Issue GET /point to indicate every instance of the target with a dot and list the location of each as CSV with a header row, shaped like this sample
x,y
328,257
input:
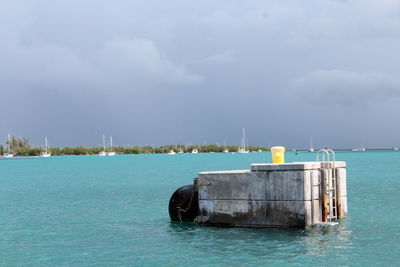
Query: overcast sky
x,y
182,71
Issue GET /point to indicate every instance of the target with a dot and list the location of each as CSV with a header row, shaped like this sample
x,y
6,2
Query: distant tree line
x,y
21,147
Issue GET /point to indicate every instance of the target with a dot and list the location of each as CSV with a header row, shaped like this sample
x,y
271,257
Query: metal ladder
x,y
331,181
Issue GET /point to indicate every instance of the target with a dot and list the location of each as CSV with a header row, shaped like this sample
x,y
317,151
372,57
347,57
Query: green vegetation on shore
x,y
21,147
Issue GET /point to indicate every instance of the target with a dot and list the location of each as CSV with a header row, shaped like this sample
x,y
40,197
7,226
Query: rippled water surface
x,y
113,211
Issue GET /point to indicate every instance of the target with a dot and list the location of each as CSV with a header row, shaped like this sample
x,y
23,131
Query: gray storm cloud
x,y
346,88
159,72
121,64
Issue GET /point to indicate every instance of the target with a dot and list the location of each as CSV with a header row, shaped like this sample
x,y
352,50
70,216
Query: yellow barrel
x,y
278,154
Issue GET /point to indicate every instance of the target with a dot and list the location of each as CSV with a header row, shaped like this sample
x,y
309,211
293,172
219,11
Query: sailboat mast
x,y
244,139
111,144
46,145
104,143
311,143
9,143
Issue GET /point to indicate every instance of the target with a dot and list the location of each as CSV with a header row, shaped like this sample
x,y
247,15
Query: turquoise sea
x,y
113,211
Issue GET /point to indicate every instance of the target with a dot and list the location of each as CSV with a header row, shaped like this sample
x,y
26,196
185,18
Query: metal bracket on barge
x,y
298,194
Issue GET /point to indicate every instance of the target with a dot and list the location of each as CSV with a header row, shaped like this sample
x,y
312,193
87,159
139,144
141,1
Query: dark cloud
x,y
346,88
157,72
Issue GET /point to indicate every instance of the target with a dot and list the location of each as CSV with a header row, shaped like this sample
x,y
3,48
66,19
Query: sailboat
x,y
46,153
103,153
111,152
195,151
171,152
243,149
226,150
8,154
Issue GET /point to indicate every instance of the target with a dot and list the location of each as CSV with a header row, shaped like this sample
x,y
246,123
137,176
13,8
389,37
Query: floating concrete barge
x,y
295,194
298,194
